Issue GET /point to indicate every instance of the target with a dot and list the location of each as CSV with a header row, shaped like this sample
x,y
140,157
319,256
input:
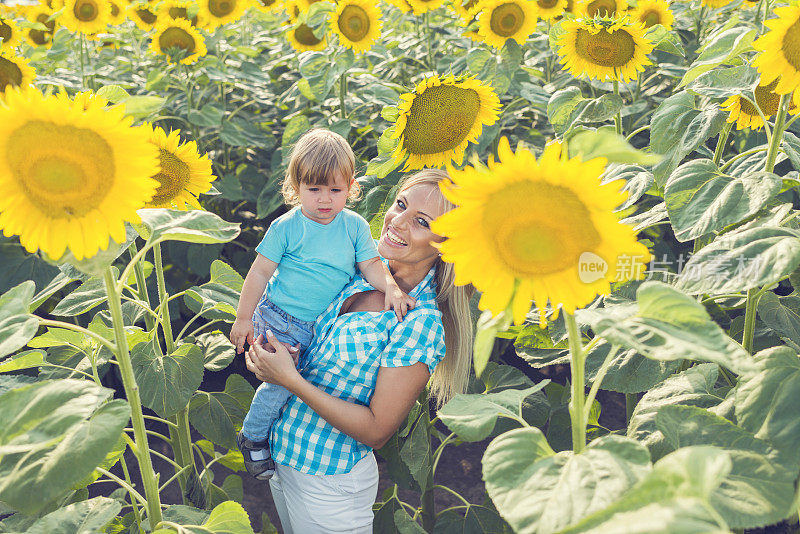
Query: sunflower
x,y
86,16
357,23
599,8
143,15
179,9
652,12
40,14
219,12
423,6
14,71
550,9
268,6
745,115
10,33
440,118
522,228
302,38
177,40
501,20
604,48
183,173
292,9
402,5
466,9
70,176
713,4
780,59
117,15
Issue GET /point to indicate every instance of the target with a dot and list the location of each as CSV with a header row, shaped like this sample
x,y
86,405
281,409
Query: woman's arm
x,y
396,390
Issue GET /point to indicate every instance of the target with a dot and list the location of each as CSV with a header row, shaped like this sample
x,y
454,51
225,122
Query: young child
x,y
305,259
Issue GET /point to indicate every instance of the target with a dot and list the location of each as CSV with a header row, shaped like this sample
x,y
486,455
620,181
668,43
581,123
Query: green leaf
x,y
218,351
629,371
781,314
209,116
693,387
23,360
567,108
194,226
113,93
142,106
672,499
606,143
86,517
473,416
297,126
524,476
229,518
488,327
672,326
224,274
766,400
700,199
17,327
722,83
54,434
232,459
665,40
475,520
757,491
678,128
415,452
18,265
741,260
167,382
217,416
87,296
720,47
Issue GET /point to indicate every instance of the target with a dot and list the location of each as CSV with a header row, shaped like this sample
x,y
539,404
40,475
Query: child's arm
x,y
378,275
252,289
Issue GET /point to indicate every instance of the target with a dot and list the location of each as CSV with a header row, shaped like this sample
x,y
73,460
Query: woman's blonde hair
x,y
318,157
451,375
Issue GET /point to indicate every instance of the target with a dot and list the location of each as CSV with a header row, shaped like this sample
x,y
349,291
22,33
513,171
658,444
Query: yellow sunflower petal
x,y
781,50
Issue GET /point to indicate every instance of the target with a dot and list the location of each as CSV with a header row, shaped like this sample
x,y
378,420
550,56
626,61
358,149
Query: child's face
x,y
321,203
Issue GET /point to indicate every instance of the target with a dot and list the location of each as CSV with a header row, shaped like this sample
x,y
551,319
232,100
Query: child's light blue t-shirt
x,y
315,260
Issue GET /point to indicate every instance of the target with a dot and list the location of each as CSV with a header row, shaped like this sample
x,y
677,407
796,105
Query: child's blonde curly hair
x,y
318,157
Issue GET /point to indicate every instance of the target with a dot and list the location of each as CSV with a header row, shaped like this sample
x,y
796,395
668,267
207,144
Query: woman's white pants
x,y
317,504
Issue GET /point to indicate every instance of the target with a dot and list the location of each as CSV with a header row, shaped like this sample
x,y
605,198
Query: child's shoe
x,y
257,459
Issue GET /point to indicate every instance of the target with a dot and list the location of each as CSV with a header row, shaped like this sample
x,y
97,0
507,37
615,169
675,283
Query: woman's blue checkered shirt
x,y
343,360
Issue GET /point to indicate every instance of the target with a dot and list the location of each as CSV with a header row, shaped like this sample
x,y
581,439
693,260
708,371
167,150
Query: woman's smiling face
x,y
406,235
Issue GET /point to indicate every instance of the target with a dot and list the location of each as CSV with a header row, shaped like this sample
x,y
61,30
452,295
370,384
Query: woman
x,y
364,370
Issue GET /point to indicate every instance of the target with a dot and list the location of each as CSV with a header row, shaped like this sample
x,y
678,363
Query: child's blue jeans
x,y
270,398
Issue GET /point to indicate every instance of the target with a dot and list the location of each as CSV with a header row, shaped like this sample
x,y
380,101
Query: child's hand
x,y
398,301
241,331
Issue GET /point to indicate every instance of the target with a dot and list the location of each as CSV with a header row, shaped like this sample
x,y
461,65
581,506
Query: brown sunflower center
x,y
305,36
791,45
650,18
176,38
440,119
604,48
10,74
172,179
766,100
221,8
354,23
5,32
147,16
603,8
86,10
547,4
267,3
114,10
539,228
63,170
507,19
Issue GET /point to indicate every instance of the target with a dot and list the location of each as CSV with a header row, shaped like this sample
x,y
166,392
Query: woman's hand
x,y
272,361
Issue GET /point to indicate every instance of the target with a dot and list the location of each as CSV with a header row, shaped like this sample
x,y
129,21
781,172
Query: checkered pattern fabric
x,y
343,360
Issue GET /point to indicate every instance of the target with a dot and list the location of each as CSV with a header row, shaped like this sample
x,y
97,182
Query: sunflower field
x,y
627,178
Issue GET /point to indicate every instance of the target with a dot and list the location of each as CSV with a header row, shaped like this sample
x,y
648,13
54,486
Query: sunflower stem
x,y
618,116
723,138
777,132
577,377
342,94
141,286
136,515
753,296
123,357
428,38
